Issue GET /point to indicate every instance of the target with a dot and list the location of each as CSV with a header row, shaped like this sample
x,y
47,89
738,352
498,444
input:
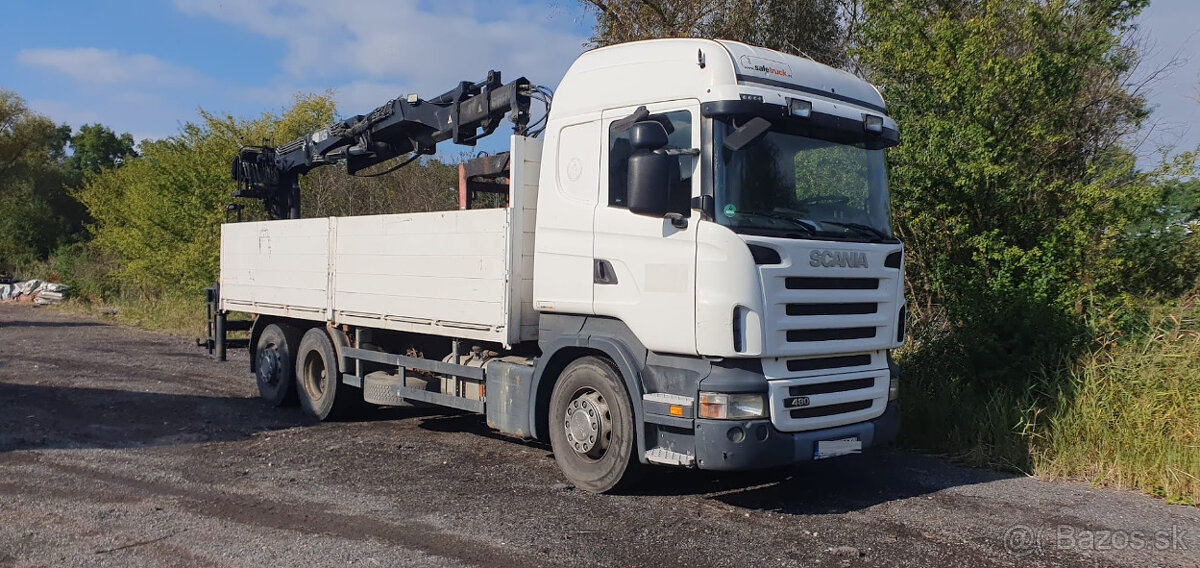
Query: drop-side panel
x,y
442,273
276,267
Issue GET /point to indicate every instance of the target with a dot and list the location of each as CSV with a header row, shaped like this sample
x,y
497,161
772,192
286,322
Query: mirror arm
x,y
677,220
706,205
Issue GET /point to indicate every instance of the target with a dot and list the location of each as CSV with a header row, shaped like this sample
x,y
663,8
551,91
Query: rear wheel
x,y
274,370
591,427
318,380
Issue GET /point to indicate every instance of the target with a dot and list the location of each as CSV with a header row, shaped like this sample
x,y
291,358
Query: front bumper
x,y
760,445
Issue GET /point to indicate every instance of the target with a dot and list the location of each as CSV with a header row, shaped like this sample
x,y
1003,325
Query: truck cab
x,y
777,284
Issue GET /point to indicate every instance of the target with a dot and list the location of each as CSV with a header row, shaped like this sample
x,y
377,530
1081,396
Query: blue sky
x,y
144,67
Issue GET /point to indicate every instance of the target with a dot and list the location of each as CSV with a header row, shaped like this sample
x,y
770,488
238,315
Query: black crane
x,y
407,125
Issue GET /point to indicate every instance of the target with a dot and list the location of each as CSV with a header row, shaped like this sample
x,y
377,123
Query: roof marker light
x,y
873,123
800,108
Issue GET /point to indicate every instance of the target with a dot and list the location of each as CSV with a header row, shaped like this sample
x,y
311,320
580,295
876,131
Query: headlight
x,y
732,406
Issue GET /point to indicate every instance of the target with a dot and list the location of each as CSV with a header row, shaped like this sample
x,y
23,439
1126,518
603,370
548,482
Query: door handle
x,y
602,272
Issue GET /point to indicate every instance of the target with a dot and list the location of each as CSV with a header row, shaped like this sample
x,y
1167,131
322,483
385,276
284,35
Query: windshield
x,y
795,186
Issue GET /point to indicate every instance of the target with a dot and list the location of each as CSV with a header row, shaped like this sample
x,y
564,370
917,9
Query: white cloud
x,y
401,42
93,66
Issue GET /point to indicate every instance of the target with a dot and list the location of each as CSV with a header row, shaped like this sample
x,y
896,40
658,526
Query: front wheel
x,y
591,427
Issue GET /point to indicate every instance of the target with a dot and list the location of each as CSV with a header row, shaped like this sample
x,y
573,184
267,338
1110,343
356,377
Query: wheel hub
x,y
314,375
588,424
268,366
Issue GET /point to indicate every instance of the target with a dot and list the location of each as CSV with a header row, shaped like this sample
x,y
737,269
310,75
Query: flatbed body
x,y
466,274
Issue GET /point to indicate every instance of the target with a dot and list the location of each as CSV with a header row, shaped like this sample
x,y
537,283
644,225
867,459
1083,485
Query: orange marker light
x,y
675,410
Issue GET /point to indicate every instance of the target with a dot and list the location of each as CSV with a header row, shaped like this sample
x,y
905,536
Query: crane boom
x,y
407,125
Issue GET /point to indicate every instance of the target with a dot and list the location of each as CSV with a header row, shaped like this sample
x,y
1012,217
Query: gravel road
x,y
126,448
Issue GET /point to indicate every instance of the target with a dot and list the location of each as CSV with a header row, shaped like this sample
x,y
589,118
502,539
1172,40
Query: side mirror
x,y
654,187
651,177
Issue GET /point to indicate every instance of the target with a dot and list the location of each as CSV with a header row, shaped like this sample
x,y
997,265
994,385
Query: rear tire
x,y
274,370
319,381
591,427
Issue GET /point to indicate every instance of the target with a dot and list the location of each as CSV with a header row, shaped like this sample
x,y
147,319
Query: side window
x,y
679,135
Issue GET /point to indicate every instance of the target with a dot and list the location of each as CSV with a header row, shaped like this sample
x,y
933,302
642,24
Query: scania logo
x,y
842,258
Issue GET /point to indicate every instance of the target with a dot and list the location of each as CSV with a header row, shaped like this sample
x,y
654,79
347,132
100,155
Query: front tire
x,y
274,370
591,427
318,379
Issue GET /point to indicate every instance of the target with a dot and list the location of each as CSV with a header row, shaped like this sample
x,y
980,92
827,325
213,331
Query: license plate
x,y
833,448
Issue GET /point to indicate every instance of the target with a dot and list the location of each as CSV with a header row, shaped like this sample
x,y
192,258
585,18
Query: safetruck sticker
x,y
766,67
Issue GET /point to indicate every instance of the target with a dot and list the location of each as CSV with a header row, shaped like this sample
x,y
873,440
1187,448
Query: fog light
x,y
723,406
736,434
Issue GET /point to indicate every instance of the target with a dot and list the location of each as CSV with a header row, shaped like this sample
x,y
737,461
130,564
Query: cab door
x,y
644,267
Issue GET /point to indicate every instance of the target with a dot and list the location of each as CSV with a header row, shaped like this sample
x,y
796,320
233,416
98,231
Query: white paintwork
x,y
655,294
877,394
457,273
278,266
562,270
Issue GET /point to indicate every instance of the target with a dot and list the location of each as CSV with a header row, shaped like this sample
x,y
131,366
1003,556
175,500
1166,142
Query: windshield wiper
x,y
782,217
860,228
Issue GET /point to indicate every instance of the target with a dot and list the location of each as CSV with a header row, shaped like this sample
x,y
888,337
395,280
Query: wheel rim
x,y
588,424
315,379
267,365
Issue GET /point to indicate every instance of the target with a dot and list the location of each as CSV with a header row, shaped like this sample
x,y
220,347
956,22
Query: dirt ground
x,y
125,448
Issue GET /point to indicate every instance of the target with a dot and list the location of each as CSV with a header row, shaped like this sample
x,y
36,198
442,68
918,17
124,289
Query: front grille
x,y
808,283
818,363
832,309
802,335
819,411
826,388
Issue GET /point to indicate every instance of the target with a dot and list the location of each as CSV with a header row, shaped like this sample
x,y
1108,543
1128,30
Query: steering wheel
x,y
839,200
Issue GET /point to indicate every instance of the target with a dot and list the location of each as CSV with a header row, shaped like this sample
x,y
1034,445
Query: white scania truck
x,y
695,266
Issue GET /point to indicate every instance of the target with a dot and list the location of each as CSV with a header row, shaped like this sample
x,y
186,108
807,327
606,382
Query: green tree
x,y
95,147
32,147
809,27
1011,181
1018,203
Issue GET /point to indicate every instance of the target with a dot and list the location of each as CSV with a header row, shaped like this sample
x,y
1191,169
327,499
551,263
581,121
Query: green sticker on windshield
x,y
730,210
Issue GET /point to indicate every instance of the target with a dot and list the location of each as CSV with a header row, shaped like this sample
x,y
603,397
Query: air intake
x,y
806,283
802,335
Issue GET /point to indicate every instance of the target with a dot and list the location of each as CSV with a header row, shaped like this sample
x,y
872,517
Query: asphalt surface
x,y
125,448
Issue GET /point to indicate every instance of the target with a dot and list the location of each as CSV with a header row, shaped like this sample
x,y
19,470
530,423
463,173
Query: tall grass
x,y
1134,419
1124,414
